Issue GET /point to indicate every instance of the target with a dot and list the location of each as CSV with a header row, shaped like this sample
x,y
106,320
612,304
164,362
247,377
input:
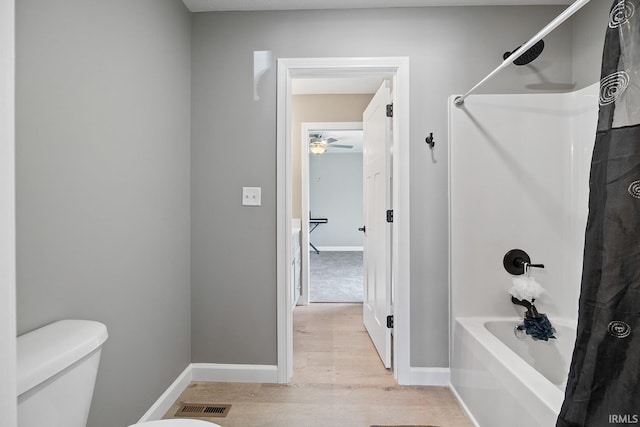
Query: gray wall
x,y
103,130
589,27
233,144
335,192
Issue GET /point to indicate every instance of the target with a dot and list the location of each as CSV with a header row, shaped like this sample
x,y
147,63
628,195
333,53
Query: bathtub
x,y
505,381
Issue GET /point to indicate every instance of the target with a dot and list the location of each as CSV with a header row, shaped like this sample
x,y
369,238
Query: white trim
x,y
283,227
8,407
431,376
339,248
401,244
396,68
304,194
168,398
464,406
211,372
449,232
216,372
304,217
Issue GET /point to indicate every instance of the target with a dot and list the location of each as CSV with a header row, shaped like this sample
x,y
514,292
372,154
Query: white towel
x,y
526,288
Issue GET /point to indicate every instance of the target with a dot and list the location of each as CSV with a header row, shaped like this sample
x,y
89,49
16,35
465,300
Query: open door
x,y
377,232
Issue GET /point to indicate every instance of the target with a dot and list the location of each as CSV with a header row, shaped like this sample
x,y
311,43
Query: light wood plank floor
x,y
338,381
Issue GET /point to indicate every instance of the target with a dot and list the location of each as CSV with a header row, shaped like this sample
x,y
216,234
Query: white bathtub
x,y
505,381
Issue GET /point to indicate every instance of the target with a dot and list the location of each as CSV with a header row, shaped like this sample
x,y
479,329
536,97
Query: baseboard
x,y
338,249
213,372
430,376
216,372
164,402
464,406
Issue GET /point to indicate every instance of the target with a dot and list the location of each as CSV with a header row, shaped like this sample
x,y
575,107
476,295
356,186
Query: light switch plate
x,y
251,196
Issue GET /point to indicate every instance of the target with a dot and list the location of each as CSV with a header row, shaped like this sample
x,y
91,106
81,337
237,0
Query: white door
x,y
377,232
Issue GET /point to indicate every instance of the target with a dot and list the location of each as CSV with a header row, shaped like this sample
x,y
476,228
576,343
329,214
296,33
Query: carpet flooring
x,y
336,277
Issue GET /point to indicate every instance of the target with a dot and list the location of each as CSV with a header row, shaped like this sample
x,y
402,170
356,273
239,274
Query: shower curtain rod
x,y
568,12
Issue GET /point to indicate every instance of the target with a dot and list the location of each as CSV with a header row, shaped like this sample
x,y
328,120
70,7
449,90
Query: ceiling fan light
x,y
317,148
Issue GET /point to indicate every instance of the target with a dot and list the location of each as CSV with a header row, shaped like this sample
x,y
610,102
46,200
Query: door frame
x,y
8,344
397,69
304,195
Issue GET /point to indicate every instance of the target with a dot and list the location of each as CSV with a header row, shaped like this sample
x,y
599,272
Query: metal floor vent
x,y
202,410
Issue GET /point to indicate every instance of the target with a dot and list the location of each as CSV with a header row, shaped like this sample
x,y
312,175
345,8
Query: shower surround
x,y
519,175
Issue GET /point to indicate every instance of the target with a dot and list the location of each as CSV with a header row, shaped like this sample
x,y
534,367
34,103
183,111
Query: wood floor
x,y
338,380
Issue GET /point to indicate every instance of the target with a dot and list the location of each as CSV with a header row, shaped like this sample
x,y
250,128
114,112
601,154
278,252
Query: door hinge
x,y
390,215
389,110
390,322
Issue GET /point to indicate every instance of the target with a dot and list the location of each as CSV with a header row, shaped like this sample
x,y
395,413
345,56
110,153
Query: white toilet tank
x,y
57,367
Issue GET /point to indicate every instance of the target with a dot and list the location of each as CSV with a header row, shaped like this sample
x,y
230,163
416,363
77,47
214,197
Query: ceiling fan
x,y
318,144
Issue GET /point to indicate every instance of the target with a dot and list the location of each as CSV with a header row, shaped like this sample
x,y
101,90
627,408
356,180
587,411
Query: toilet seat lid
x,y
176,423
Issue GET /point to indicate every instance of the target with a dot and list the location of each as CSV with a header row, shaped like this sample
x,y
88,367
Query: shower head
x,y
531,54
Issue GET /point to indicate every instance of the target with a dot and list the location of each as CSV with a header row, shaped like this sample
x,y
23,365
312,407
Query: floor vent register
x,y
202,410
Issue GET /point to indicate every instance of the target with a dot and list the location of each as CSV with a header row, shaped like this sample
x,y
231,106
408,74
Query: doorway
x,y
331,203
396,70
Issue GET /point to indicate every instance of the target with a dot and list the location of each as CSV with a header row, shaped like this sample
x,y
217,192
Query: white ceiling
x,y
222,5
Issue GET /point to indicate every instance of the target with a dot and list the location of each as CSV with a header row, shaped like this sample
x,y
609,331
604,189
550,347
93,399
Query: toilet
x,y
176,423
56,373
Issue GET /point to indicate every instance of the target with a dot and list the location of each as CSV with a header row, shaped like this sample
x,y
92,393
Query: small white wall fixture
x,y
396,69
7,216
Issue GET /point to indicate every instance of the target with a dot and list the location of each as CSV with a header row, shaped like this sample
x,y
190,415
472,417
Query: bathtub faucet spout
x,y
531,309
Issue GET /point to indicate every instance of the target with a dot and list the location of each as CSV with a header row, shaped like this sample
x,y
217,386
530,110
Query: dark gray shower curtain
x,y
603,388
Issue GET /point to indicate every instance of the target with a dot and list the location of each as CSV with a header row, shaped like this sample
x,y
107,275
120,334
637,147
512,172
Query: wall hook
x,y
429,140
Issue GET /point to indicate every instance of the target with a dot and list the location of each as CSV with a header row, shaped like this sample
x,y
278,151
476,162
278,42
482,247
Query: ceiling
x,y
228,5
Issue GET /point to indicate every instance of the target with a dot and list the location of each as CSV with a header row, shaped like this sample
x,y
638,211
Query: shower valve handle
x,y
523,263
517,261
